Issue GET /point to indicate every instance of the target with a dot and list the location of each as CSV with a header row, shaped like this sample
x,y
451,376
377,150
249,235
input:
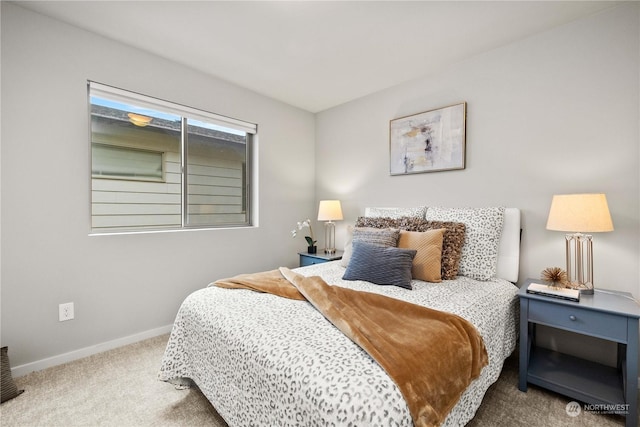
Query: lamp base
x,y
584,288
330,237
579,252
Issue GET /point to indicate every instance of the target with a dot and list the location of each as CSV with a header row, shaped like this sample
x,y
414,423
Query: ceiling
x,y
316,54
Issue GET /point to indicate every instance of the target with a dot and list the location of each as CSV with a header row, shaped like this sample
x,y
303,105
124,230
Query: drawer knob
x,y
572,317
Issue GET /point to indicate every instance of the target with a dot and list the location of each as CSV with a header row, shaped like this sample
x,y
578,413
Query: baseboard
x,y
39,365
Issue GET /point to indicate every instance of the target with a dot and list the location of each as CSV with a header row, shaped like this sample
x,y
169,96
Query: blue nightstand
x,y
609,316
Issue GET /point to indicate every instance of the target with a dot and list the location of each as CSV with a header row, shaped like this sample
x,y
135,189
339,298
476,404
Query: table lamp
x,y
577,214
330,210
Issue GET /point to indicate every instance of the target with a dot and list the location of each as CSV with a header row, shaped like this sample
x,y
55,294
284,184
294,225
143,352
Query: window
x,y
159,165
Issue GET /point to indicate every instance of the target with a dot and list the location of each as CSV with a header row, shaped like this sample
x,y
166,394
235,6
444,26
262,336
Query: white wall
x,y
551,114
127,284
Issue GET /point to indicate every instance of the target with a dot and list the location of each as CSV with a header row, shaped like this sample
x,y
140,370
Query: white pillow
x,y
479,257
348,247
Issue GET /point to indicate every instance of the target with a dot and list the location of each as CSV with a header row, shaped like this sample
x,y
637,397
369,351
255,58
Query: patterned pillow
x,y
482,239
9,389
452,241
384,237
382,265
417,212
427,263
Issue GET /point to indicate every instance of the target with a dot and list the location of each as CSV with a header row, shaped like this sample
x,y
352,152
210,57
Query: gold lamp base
x,y
579,251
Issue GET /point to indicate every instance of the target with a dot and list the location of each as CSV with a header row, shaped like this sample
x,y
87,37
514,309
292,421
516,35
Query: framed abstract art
x,y
428,142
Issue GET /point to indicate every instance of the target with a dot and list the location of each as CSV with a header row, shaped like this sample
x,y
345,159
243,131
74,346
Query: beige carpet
x,y
115,388
120,388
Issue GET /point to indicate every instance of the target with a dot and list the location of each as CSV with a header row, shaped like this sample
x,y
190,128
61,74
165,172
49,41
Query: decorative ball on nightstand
x,y
555,277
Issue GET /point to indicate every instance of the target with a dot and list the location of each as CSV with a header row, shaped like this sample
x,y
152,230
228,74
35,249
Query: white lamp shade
x,y
579,213
330,210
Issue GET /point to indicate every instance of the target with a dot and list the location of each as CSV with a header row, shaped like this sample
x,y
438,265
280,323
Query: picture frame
x,y
430,141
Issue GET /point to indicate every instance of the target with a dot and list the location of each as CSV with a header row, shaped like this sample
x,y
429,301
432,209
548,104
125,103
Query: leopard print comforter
x,y
263,360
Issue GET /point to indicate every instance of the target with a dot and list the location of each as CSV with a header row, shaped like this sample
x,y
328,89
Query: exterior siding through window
x,y
124,197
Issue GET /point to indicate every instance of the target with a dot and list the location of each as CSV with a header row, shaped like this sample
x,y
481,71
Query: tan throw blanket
x,y
432,356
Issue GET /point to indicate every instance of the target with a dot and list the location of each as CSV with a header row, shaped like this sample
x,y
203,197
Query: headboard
x,y
509,249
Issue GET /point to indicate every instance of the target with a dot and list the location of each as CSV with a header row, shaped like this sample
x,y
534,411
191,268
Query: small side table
x,y
610,316
319,258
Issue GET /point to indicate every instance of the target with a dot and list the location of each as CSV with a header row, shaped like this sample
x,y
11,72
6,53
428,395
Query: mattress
x,y
263,360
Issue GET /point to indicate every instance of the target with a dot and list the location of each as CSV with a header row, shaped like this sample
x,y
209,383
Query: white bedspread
x,y
263,360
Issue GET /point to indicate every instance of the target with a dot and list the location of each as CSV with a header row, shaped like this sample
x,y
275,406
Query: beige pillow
x,y
427,263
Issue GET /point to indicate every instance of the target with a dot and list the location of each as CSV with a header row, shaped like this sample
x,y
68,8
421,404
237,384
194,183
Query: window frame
x,y
111,93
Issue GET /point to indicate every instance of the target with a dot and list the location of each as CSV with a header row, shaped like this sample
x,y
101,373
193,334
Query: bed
x,y
264,360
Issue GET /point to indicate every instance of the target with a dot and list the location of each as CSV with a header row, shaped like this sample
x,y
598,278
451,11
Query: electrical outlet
x,y
65,311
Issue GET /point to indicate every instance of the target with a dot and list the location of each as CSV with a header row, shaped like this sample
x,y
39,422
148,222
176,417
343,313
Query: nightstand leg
x,y
524,344
631,392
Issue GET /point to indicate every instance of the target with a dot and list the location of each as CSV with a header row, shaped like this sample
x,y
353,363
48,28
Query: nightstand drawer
x,y
594,323
319,258
306,260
